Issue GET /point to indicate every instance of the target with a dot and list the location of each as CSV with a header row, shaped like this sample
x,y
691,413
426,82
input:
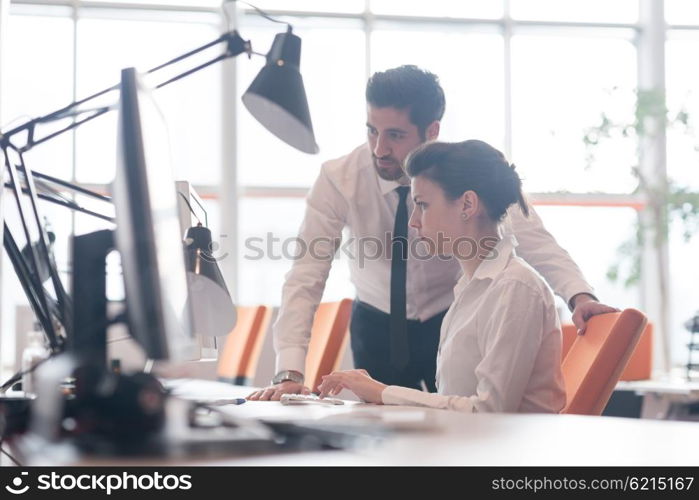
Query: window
x,y
351,6
682,167
73,59
561,84
334,87
599,11
528,76
684,12
683,95
475,9
167,3
191,106
471,75
595,250
35,79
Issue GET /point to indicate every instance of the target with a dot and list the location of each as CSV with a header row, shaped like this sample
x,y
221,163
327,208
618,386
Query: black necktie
x,y
399,267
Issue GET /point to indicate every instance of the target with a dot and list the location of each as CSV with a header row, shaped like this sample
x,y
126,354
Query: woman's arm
x,y
510,331
510,339
357,381
511,335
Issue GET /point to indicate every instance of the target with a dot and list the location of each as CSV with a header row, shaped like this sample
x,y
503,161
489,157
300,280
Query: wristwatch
x,y
285,375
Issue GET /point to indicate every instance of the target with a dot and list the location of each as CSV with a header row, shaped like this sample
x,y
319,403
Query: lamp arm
x,y
66,203
74,206
14,182
235,45
25,279
41,251
31,127
68,185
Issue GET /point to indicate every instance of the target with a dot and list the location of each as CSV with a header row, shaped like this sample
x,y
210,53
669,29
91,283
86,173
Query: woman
x,y
500,344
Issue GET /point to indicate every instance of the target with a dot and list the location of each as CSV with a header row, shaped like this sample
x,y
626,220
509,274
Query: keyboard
x,y
300,399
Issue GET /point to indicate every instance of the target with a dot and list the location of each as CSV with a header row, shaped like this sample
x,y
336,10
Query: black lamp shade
x,y
213,311
277,98
198,257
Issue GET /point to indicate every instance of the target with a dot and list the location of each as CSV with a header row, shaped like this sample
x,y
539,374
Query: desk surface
x,y
438,437
677,386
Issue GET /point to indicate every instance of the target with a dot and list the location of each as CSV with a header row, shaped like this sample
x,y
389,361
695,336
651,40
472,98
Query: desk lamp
x,y
276,98
213,312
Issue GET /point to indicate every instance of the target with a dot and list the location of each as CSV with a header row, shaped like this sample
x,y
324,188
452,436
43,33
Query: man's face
x,y
391,137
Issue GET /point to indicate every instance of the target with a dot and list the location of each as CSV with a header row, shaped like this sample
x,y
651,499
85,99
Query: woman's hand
x,y
357,381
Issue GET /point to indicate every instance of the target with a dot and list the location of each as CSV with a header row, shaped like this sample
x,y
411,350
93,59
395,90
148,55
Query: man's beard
x,y
388,173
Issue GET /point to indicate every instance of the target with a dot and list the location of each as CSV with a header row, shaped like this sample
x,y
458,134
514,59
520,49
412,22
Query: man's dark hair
x,y
408,88
469,166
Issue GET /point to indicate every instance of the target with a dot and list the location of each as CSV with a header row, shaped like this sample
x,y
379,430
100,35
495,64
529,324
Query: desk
x,y
438,437
668,398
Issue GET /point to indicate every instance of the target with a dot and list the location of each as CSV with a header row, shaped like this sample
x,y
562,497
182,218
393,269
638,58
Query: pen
x,y
222,402
234,401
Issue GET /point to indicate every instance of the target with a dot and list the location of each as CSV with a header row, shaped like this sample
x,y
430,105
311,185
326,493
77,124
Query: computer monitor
x,y
148,235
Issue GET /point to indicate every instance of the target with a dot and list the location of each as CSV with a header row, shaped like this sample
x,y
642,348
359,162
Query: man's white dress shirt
x,y
500,343
349,193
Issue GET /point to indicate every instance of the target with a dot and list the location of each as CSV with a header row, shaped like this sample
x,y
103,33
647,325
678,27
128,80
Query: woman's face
x,y
438,220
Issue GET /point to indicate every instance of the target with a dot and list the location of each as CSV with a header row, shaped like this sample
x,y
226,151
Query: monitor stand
x,y
127,415
189,432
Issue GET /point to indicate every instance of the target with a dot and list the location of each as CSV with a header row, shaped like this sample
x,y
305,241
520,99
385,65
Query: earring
x,y
464,216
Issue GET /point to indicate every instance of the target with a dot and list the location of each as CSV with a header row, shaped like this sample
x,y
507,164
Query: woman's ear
x,y
432,131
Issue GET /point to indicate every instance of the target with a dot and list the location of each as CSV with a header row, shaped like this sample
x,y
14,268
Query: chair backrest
x,y
570,333
328,340
238,361
640,365
596,360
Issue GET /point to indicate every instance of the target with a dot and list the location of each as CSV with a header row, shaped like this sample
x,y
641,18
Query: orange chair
x,y
640,364
328,340
570,333
596,360
238,361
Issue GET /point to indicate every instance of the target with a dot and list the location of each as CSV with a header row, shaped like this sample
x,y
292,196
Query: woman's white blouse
x,y
500,343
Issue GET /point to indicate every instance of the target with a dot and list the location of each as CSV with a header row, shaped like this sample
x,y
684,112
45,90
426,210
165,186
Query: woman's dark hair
x,y
470,166
408,88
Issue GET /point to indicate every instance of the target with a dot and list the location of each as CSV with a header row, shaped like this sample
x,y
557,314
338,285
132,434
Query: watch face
x,y
287,375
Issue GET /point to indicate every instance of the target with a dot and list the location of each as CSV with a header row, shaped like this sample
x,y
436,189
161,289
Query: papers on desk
x,y
390,418
210,390
350,415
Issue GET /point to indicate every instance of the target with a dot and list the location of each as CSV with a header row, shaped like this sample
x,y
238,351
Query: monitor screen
x,y
148,235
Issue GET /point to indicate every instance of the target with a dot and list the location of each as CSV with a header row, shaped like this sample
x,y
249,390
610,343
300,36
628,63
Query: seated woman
x,y
500,345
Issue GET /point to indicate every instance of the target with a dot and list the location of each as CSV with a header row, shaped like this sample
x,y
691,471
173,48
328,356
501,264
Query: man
x,y
401,297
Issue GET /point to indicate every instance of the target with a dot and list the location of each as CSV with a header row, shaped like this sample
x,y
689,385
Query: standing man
x,y
401,297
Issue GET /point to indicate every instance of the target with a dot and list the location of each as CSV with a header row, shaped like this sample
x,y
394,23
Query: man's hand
x,y
357,381
274,392
585,308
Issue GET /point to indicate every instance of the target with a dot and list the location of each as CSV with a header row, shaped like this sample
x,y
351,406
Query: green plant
x,y
665,200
